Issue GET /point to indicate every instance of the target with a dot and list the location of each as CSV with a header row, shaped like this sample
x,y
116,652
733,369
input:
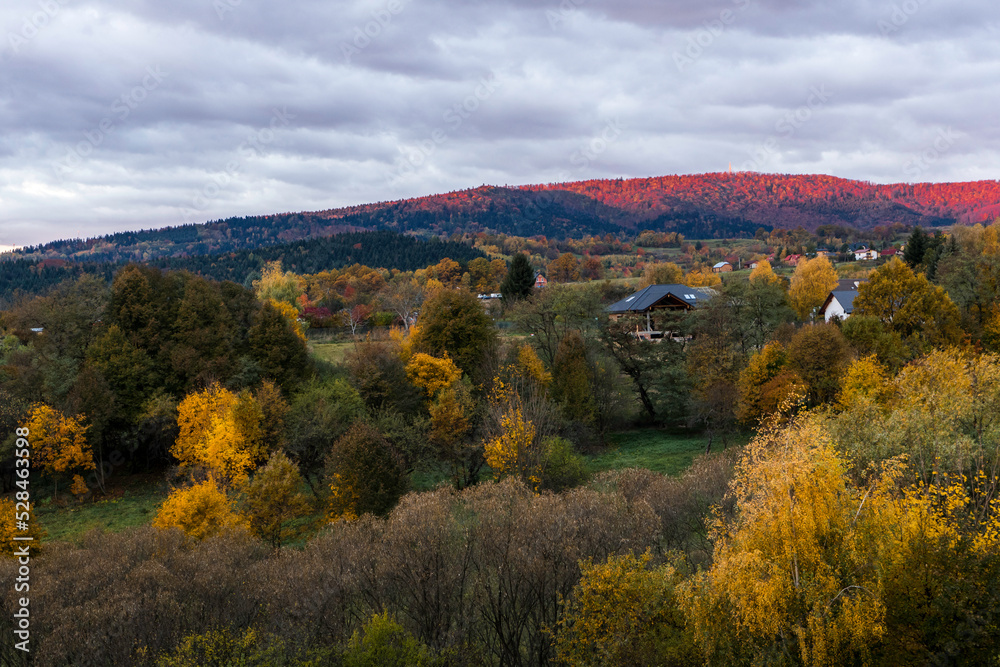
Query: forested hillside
x,y
378,249
697,206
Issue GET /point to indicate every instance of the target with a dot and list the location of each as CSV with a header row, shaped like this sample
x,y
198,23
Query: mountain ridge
x,y
713,205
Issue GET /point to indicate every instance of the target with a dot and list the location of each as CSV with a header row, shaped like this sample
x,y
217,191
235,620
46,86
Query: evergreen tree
x,y
916,247
520,279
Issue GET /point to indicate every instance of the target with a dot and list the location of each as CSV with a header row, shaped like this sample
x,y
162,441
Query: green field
x,y
133,504
331,352
654,449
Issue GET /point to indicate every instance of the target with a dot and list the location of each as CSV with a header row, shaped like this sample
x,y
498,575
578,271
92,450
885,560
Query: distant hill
x,y
699,206
381,249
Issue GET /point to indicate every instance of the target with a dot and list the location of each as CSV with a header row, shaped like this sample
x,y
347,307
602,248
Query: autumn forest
x,y
412,433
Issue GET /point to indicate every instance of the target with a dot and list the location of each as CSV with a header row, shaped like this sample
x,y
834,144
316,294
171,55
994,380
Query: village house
x,y
792,260
865,254
540,280
655,299
722,267
839,304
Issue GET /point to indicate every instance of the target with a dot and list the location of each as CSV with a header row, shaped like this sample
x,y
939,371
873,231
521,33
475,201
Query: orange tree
x,y
59,443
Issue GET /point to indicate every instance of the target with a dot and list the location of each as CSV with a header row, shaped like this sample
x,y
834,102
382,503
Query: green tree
x,y
909,304
571,379
455,323
520,279
273,500
820,355
365,473
279,350
916,248
321,411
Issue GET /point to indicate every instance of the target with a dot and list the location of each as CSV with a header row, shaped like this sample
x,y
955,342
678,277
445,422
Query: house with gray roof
x,y
839,304
646,302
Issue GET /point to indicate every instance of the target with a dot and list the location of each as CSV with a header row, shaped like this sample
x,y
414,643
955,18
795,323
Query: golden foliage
x,y
624,612
811,283
221,432
662,274
763,273
289,312
432,374
865,380
702,278
59,443
529,365
201,511
9,515
766,384
277,286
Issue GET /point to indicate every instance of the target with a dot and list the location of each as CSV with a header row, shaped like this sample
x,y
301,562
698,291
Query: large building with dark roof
x,y
655,298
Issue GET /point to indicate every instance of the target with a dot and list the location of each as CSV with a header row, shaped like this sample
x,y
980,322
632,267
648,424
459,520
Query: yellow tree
x,y
201,511
564,269
10,515
811,283
763,273
220,432
702,278
624,612
786,575
865,380
662,274
279,286
59,443
530,366
432,374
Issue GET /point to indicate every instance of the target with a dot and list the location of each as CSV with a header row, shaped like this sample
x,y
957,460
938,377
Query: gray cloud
x,y
136,113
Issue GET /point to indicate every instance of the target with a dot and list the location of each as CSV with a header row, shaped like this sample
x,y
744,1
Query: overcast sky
x,y
128,114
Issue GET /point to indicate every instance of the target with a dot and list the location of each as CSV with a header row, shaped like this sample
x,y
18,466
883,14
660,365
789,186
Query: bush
x,y
562,467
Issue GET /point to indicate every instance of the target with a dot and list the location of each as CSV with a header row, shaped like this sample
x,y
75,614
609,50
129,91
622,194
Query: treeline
x,y
26,277
697,206
380,249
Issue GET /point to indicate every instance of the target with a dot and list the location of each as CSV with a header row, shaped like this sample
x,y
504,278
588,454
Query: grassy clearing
x,y
133,503
331,352
653,449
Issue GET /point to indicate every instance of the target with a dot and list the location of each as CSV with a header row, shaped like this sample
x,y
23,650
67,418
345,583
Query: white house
x,y
839,303
865,253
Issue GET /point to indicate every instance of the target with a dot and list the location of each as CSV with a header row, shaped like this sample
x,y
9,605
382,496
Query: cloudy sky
x,y
128,114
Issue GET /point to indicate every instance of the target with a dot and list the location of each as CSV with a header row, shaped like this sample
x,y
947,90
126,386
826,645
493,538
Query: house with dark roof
x,y
849,284
839,304
540,280
650,300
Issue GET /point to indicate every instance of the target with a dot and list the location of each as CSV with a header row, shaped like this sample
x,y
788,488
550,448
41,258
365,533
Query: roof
x,y
845,298
849,284
720,265
646,298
